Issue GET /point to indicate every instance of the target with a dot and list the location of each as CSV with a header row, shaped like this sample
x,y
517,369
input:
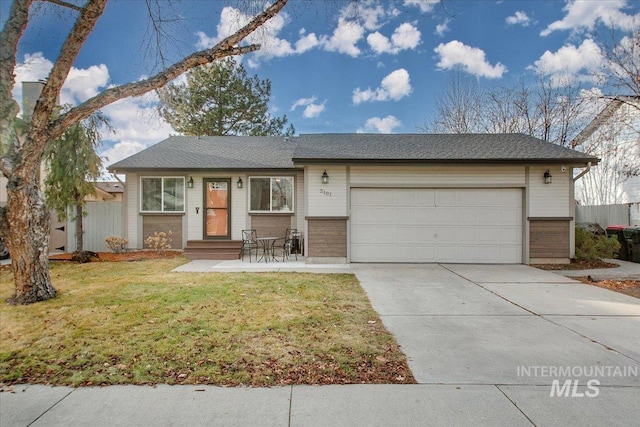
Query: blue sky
x,y
333,69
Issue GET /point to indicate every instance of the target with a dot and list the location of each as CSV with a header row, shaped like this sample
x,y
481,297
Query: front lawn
x,y
138,323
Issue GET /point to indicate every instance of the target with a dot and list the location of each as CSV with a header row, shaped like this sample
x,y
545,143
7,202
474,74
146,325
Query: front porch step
x,y
213,249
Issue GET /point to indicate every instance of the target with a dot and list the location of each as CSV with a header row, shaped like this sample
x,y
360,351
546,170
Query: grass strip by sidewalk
x,y
138,323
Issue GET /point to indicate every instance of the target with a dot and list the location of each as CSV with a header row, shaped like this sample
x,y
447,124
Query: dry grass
x,y
138,323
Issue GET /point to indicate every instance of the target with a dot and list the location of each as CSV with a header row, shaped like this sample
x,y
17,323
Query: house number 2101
x,y
325,192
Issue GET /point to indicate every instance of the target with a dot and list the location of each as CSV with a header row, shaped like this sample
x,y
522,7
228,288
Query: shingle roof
x,y
435,148
213,152
238,152
110,187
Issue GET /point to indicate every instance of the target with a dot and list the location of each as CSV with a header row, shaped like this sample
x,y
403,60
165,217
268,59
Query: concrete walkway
x,y
239,266
626,270
489,345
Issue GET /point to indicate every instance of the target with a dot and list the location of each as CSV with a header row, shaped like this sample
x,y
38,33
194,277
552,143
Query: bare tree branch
x,y
65,4
222,49
84,25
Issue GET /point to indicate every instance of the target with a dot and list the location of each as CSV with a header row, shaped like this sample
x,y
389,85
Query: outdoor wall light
x,y
190,182
325,177
239,183
547,177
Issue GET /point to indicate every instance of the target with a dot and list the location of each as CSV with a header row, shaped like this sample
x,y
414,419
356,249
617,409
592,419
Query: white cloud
x,y
136,123
519,18
232,19
354,21
312,109
581,14
135,120
379,43
425,6
302,102
381,125
358,18
82,84
394,86
442,27
344,38
121,150
368,14
406,36
569,61
33,68
472,60
306,42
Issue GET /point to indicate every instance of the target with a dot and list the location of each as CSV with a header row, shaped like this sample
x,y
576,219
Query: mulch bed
x,y
122,257
628,287
576,265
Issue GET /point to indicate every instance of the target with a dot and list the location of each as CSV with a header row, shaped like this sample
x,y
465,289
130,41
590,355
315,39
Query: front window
x,y
271,194
162,194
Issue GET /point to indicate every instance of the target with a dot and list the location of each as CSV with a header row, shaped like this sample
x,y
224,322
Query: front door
x,y
217,218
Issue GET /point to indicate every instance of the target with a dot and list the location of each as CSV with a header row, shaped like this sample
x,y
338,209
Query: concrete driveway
x,y
516,328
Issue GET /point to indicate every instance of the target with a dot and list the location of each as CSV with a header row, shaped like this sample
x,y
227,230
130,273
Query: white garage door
x,y
436,225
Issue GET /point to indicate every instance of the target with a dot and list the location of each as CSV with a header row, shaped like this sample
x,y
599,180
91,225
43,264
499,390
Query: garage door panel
x,y
436,225
425,198
367,235
509,235
364,197
442,216
509,217
404,198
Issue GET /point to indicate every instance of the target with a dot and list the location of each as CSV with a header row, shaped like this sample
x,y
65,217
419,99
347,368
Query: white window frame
x,y
271,178
162,178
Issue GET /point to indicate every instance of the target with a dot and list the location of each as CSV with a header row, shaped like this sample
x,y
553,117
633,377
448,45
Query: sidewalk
x,y
345,405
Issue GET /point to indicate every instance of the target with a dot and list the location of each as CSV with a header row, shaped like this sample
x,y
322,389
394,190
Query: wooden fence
x,y
103,219
605,215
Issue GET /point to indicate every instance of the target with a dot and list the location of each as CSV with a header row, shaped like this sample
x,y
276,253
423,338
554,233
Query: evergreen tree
x,y
220,99
73,166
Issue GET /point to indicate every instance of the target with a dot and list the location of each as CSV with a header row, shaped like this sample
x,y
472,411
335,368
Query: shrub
x,y
117,244
590,247
159,241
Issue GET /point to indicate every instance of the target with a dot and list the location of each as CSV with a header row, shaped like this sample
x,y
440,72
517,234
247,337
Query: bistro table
x,y
268,244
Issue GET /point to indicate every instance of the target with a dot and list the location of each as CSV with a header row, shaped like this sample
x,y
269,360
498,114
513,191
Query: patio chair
x,y
290,238
249,243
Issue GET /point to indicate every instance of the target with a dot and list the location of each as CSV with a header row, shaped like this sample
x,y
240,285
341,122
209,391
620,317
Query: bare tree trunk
x,y
25,222
28,241
79,228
